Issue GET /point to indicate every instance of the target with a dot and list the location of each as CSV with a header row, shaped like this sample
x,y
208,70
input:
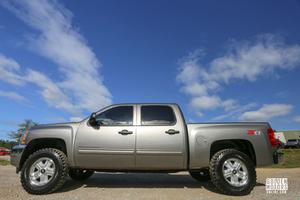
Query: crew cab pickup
x,y
144,138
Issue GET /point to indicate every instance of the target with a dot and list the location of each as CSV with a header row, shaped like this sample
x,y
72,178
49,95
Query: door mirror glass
x,y
93,121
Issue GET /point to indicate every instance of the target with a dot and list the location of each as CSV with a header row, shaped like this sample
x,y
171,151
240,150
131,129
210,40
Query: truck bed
x,y
202,136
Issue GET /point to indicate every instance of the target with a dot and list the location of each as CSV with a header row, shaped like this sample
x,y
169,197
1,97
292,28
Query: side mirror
x,y
92,120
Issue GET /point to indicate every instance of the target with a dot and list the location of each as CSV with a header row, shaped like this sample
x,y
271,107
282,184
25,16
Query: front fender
x,y
65,133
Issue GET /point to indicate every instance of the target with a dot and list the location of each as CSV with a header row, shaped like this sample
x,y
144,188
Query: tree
x,y
27,124
15,135
7,143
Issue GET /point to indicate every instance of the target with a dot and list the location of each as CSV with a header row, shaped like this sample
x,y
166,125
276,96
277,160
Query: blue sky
x,y
220,60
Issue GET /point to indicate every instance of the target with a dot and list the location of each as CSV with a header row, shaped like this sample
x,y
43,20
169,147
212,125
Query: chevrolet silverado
x,y
144,138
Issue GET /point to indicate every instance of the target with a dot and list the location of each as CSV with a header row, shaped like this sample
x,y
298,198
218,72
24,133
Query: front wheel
x,y
44,171
80,174
232,172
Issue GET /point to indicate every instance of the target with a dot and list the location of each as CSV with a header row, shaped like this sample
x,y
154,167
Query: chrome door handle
x,y
172,132
125,132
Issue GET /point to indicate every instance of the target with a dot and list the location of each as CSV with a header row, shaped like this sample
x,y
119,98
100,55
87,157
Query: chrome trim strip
x,y
102,151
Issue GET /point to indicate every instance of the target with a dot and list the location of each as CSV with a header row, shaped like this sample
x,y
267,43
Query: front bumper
x,y
16,155
277,156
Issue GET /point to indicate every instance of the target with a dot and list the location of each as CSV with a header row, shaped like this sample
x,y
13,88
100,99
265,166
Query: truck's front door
x,y
112,144
160,138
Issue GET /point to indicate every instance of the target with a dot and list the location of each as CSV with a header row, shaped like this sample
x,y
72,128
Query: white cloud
x,y
246,60
76,119
266,112
51,92
206,102
81,86
199,114
12,95
297,119
249,60
8,71
189,71
229,104
194,89
11,73
56,119
234,112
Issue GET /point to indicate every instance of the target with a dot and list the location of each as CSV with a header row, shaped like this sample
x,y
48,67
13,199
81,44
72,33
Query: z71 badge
x,y
253,132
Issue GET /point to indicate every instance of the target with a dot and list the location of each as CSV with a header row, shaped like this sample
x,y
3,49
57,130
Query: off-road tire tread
x,y
62,178
214,162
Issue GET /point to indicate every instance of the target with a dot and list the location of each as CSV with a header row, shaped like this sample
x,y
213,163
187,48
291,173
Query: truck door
x,y
112,144
160,141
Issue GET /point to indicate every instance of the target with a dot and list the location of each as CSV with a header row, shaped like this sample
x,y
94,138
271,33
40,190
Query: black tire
x,y
202,175
216,174
80,174
60,173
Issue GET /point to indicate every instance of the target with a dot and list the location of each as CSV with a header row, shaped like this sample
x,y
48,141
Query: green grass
x,y
291,159
4,162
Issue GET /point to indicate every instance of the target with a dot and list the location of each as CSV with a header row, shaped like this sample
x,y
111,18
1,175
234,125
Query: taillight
x,y
25,137
272,138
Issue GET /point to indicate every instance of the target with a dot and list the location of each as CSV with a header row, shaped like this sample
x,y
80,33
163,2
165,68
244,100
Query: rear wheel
x,y
80,174
232,172
202,175
44,171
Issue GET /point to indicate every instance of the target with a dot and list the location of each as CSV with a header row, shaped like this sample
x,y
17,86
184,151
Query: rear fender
x,y
202,138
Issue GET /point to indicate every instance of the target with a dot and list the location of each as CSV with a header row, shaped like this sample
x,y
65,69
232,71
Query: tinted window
x,y
122,115
157,115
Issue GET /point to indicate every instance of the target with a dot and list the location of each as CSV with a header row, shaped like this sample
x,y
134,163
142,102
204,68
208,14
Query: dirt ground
x,y
137,186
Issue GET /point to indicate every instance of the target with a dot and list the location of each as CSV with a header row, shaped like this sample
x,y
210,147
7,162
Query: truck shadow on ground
x,y
139,180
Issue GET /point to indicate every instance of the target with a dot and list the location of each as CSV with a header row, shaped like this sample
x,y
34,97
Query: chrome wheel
x,y
42,171
235,172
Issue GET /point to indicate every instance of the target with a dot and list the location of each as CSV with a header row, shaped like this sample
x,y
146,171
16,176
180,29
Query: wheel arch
x,y
242,145
40,143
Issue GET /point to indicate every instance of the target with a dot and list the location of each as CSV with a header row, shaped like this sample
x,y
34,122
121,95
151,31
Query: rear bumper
x,y
15,156
277,156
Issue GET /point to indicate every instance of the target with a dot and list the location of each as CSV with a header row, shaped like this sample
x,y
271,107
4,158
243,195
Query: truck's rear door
x,y
160,142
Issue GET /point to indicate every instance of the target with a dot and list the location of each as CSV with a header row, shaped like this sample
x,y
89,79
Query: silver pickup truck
x,y
144,138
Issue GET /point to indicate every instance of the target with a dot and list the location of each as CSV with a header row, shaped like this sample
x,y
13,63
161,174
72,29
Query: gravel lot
x,y
146,186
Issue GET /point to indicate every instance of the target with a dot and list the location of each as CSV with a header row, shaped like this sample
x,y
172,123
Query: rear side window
x,y
116,116
157,115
